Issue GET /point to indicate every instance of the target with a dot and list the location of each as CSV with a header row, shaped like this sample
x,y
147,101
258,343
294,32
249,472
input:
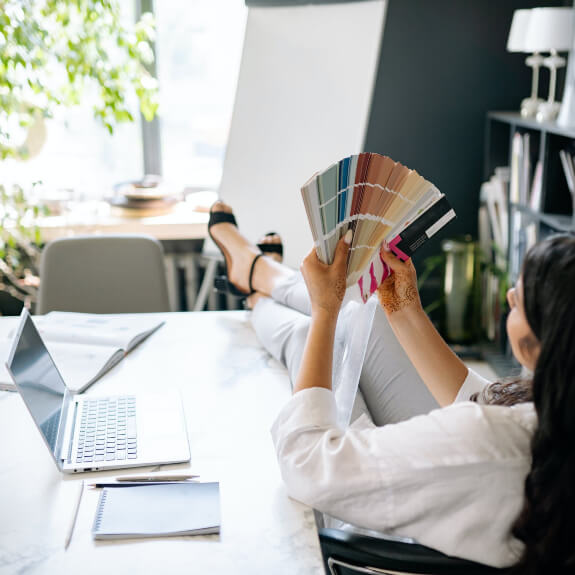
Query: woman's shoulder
x,y
521,415
474,431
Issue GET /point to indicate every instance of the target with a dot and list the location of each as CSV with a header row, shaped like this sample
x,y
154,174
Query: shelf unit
x,y
546,140
526,224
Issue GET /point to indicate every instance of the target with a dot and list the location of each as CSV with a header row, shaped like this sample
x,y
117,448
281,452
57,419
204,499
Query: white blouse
x,y
452,479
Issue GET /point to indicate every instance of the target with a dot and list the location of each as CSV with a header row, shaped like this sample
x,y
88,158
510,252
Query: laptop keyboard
x,y
107,430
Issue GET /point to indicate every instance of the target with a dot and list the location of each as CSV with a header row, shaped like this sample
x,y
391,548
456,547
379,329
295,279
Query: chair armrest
x,y
362,550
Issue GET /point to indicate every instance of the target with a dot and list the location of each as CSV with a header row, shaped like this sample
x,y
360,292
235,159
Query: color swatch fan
x,y
378,199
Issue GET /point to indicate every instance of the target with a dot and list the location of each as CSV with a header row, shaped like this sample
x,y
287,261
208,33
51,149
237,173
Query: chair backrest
x,y
346,553
303,100
103,274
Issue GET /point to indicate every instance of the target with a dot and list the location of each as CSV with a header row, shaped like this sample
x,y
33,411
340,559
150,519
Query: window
x,y
79,154
199,44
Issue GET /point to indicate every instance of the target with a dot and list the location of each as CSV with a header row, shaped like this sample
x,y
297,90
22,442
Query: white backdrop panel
x,y
303,99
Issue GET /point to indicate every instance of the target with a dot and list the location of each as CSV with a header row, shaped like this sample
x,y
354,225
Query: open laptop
x,y
91,433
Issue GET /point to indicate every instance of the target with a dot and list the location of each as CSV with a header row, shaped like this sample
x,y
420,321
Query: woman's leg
x,y
266,273
390,385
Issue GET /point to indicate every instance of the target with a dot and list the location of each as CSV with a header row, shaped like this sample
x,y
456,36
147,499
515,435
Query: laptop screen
x,y
38,380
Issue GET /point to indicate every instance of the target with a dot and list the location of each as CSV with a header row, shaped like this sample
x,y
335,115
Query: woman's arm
x,y
326,286
441,370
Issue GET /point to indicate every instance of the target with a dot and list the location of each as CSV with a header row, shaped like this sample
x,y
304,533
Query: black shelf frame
x,y
559,222
550,137
556,215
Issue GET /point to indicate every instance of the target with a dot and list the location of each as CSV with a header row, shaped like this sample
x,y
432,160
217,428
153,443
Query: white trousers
x,y
390,389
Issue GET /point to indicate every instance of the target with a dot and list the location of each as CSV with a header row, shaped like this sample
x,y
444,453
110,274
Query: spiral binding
x,y
100,510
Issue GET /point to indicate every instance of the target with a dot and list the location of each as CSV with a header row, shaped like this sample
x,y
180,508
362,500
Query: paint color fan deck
x,y
378,199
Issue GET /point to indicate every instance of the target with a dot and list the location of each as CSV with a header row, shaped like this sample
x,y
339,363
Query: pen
x,y
157,477
74,516
137,483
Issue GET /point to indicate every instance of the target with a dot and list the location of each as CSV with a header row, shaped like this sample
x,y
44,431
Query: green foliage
x,y
53,51
19,241
430,264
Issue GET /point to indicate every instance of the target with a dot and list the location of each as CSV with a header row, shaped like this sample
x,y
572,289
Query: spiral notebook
x,y
378,199
159,510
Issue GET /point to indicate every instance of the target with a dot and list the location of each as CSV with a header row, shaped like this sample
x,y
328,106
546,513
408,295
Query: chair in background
x,y
103,274
303,101
346,553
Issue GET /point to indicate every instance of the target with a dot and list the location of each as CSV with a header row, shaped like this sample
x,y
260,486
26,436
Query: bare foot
x,y
271,239
238,251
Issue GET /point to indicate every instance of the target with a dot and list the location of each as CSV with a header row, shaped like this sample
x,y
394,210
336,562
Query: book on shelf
x,y
525,180
493,199
379,200
536,197
516,161
568,164
493,228
84,346
520,178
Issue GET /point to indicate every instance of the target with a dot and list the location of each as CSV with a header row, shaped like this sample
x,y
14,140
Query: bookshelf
x,y
554,212
528,220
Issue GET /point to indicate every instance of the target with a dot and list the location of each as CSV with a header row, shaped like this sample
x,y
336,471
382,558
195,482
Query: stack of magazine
x,y
379,200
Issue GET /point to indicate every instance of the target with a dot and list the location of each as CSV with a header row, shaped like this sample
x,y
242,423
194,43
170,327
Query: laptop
x,y
93,433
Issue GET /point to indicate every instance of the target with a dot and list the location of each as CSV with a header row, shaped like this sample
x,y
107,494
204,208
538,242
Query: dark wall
x,y
443,65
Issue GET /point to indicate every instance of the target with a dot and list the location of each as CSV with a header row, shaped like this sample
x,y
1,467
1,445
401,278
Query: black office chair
x,y
346,553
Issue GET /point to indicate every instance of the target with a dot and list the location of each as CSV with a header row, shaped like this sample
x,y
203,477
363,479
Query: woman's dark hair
x,y
546,523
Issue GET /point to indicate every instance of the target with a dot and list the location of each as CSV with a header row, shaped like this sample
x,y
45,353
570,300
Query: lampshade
x,y
518,31
549,29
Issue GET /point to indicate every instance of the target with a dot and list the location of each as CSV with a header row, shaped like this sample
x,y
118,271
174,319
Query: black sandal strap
x,y
221,217
271,248
252,290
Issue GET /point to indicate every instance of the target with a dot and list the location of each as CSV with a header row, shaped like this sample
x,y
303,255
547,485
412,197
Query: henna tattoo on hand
x,y
339,289
397,293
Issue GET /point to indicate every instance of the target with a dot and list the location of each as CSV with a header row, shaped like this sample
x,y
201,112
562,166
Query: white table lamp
x,y
516,42
550,30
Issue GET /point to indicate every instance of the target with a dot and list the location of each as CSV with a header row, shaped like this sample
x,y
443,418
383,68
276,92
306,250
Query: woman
x,y
489,480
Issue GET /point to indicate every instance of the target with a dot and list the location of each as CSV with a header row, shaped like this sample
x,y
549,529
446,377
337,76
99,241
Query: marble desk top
x,y
232,390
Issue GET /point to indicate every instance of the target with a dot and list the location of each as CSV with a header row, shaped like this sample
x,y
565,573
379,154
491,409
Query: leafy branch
x,y
54,52
19,241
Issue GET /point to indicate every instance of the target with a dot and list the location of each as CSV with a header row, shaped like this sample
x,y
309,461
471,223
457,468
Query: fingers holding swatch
x,y
326,282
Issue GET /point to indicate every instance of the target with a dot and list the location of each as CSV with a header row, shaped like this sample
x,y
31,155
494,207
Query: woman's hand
x,y
399,290
326,287
326,283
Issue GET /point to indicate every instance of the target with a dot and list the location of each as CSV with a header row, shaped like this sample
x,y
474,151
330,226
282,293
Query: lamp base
x,y
548,111
529,107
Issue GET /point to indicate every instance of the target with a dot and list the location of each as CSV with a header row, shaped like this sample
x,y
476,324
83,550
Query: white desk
x,y
232,391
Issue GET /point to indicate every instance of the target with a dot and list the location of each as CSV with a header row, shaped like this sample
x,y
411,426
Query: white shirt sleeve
x,y
473,383
417,478
356,473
